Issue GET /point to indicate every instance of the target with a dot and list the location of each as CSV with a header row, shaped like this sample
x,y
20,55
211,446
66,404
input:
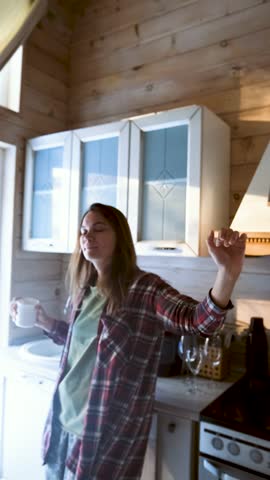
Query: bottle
x,y
256,352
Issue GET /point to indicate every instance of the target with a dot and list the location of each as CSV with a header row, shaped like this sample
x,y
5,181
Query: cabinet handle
x,y
171,427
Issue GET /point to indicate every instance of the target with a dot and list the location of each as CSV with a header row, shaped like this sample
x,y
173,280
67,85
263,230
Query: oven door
x,y
217,470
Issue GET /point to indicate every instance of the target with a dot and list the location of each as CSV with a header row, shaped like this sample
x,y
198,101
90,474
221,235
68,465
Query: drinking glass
x,y
185,343
191,350
194,360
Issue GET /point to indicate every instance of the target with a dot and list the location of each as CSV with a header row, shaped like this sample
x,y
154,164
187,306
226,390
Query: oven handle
x,y
213,470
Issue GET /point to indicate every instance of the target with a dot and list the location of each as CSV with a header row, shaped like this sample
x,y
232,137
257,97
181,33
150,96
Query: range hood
x,y
17,21
253,214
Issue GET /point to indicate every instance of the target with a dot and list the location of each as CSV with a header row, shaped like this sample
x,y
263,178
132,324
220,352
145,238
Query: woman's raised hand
x,y
228,252
227,249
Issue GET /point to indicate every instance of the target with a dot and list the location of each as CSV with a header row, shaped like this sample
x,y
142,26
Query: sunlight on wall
x,y
7,192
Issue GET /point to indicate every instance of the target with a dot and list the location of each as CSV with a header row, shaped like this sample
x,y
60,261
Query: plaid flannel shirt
x,y
122,386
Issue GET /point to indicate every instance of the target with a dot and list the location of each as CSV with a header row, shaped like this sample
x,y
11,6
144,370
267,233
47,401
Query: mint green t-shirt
x,y
74,388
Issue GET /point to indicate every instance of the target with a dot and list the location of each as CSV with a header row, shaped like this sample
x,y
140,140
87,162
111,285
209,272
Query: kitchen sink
x,y
44,350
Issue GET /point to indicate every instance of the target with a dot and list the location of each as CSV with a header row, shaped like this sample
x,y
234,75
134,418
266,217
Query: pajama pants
x,y
61,445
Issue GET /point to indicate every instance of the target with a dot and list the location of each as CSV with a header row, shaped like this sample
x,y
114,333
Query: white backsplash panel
x,y
246,308
195,276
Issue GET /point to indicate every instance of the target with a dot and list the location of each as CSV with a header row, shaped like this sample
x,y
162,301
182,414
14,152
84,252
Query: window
x,y
7,192
10,82
2,157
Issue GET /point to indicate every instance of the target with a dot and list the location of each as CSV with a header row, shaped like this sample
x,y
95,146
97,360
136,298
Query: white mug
x,y
26,312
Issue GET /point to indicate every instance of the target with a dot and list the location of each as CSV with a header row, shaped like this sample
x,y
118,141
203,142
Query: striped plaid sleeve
x,y
181,314
211,317
59,332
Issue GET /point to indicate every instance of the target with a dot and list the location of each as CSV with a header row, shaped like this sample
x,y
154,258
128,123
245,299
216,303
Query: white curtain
x,y
17,20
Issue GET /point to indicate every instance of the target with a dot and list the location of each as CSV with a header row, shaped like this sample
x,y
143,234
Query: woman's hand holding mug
x,y
27,312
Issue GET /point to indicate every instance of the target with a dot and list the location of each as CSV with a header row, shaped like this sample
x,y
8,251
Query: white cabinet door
x,y
25,409
100,161
177,451
178,180
47,193
149,467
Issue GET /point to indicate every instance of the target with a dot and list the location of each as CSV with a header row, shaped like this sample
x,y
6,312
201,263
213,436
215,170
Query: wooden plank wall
x,y
45,82
45,90
129,58
125,58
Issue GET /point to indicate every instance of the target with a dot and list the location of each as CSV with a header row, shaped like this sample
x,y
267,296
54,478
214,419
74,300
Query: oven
x,y
229,455
234,437
213,470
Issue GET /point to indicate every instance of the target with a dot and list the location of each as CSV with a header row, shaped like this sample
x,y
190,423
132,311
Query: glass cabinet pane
x,y
99,172
164,183
47,204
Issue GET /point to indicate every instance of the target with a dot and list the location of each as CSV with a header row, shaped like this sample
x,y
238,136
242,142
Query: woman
x,y
99,422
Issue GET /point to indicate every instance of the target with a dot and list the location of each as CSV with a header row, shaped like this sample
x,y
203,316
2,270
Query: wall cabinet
x,y
168,172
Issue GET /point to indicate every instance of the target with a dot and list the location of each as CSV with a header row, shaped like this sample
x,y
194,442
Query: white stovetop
x,y
172,394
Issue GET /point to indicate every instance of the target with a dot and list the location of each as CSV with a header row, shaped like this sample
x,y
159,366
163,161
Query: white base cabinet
x,y
177,452
26,404
149,467
172,451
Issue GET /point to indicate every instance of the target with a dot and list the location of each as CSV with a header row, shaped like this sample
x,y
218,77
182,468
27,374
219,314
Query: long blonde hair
x,y
81,273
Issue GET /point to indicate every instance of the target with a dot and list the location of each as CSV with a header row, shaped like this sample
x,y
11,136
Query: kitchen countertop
x,y
172,394
13,364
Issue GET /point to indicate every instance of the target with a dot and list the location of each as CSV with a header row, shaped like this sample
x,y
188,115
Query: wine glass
x,y
191,350
184,344
194,360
